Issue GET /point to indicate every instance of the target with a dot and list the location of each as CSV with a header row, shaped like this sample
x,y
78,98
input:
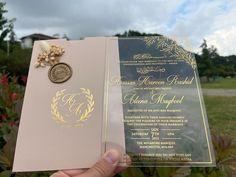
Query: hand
x,y
107,166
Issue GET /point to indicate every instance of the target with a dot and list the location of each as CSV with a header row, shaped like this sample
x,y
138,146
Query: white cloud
x,y
223,35
187,20
223,40
211,20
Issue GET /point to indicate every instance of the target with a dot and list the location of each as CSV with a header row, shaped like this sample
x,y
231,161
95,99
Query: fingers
x,y
122,168
68,173
74,172
105,167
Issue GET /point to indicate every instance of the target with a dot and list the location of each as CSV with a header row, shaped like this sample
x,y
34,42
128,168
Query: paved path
x,y
219,92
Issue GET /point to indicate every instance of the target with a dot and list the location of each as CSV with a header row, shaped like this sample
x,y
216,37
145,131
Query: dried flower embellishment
x,y
50,55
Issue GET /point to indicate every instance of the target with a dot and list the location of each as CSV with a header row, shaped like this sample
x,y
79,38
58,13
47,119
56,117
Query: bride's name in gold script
x,y
153,98
151,81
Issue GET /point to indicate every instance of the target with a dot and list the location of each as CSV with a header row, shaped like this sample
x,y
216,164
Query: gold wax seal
x,y
60,73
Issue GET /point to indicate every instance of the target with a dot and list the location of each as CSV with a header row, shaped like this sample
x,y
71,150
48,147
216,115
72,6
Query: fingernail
x,y
112,156
59,174
56,175
128,160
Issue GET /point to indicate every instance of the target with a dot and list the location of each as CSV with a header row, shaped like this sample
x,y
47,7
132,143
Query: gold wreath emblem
x,y
56,115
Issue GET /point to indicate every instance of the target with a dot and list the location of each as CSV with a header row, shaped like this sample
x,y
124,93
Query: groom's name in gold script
x,y
151,81
154,98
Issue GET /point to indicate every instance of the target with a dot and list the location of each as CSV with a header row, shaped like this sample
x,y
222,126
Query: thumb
x,y
105,167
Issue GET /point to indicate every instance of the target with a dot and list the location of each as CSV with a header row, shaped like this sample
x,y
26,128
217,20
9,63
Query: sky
x,y
186,21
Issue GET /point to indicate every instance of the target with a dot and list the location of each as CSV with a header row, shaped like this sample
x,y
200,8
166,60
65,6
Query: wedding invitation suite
x,y
140,96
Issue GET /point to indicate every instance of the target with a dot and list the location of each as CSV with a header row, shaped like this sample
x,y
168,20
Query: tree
x,y
207,60
65,37
12,34
133,33
6,26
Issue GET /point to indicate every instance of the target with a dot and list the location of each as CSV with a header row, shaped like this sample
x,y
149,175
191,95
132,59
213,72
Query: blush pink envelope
x,y
43,142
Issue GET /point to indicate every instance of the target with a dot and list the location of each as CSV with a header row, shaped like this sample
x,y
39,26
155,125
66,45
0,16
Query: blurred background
x,y
205,27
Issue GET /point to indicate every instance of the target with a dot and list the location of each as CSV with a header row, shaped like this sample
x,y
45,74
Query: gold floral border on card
x,y
171,47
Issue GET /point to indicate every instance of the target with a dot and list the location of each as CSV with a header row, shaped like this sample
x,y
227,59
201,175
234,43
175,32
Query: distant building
x,y
28,41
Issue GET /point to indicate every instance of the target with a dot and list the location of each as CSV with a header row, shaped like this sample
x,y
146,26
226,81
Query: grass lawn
x,y
222,83
221,113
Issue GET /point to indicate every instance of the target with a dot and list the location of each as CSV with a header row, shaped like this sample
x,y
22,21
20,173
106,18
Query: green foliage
x,y
221,114
206,67
6,25
13,59
227,83
211,64
10,93
132,172
17,63
6,173
133,33
225,160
